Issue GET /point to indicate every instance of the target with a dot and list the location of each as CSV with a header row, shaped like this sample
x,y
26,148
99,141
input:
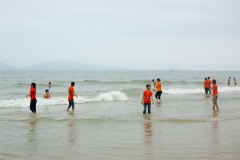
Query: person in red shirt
x,y
147,99
32,95
71,95
215,95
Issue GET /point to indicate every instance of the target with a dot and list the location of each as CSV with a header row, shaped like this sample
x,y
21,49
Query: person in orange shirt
x,y
32,95
209,85
206,86
215,95
71,95
159,89
147,99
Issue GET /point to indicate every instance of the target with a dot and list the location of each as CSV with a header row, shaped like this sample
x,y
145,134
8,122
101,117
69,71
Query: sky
x,y
137,34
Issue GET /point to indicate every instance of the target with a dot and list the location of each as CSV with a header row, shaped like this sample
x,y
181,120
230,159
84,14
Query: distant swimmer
x,y
235,81
47,94
147,99
215,95
159,89
205,86
32,95
229,81
49,85
71,95
154,83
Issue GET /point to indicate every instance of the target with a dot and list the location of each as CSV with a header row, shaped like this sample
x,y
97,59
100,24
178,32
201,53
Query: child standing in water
x,y
229,81
147,99
71,95
235,81
215,95
32,95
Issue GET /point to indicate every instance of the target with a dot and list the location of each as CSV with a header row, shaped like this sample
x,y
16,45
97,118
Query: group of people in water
x,y
209,85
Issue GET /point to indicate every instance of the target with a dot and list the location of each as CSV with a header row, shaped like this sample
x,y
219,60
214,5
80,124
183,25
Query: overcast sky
x,y
140,34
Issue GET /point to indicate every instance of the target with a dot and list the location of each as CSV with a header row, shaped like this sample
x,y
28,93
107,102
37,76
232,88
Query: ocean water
x,y
108,122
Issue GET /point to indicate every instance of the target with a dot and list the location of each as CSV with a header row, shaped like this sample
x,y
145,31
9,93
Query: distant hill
x,y
7,67
61,65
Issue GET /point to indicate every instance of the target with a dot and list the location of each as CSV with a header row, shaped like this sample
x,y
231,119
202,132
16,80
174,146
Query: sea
x,y
108,122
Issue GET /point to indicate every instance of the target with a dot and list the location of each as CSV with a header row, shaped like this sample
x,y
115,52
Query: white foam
x,y
24,102
199,90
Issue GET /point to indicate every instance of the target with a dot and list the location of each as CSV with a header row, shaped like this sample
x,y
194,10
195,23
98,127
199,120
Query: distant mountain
x,y
61,65
7,67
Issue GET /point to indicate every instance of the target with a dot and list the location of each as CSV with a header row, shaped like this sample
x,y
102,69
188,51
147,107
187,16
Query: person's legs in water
x,y
144,108
214,99
206,91
209,90
33,106
156,95
73,106
216,102
160,94
149,107
69,105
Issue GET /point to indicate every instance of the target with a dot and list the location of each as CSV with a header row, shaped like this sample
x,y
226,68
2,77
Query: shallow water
x,y
108,122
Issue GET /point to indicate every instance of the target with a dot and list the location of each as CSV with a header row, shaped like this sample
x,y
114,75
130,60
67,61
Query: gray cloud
x,y
153,34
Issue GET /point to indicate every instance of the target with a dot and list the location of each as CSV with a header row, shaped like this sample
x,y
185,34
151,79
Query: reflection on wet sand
x,y
215,139
72,133
148,132
32,138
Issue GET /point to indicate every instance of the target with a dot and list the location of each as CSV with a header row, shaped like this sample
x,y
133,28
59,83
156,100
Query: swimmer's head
x,y
214,81
46,90
153,80
72,83
208,77
158,79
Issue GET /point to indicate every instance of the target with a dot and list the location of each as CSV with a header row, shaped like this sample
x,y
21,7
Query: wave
x,y
24,102
198,90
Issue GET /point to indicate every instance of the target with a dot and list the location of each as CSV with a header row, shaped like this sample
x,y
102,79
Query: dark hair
x,y
153,80
72,83
205,78
158,79
214,81
148,85
33,85
208,77
49,82
46,90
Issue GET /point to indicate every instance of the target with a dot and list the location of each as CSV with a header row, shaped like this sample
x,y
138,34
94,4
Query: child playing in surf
x,y
147,99
71,95
32,95
215,95
47,94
